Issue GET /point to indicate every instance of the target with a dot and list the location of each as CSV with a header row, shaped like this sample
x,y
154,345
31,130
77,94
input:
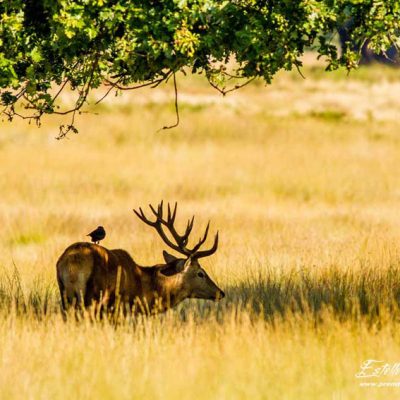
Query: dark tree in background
x,y
367,54
47,46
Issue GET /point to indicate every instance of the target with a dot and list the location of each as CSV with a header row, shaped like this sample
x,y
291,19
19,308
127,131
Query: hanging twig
x,y
176,108
299,71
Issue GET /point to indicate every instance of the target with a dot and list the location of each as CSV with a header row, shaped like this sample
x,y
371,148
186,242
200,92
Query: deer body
x,y
90,274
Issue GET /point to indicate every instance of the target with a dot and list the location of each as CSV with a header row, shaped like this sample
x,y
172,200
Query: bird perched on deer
x,y
97,235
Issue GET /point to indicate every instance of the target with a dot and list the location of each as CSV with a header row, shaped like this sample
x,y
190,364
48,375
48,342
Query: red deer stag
x,y
89,274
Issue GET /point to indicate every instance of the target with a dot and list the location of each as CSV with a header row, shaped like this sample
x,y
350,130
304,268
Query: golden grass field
x,y
301,178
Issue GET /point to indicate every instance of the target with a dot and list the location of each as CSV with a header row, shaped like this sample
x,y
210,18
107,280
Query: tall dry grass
x,y
306,202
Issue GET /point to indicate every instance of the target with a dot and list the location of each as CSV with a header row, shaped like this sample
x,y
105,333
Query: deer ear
x,y
169,258
175,266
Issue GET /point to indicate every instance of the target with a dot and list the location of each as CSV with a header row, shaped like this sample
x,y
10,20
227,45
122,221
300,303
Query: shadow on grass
x,y
367,294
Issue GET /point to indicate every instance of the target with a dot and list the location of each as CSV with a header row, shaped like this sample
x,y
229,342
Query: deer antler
x,y
181,241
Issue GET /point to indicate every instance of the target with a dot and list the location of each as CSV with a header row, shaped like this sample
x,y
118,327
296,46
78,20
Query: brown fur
x,y
89,274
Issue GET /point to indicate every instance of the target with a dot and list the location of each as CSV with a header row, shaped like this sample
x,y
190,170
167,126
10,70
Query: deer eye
x,y
200,274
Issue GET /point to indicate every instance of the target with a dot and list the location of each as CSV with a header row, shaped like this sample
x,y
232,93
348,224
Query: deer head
x,y
193,280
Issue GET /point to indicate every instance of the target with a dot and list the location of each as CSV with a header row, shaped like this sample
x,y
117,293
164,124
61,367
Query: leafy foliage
x,y
47,45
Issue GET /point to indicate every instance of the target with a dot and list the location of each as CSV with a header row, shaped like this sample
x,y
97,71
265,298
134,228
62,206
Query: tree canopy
x,y
49,45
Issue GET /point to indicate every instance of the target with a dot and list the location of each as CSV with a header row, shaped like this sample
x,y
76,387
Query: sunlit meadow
x,y
302,180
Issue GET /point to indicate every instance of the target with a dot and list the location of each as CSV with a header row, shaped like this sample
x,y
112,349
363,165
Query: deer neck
x,y
161,292
171,289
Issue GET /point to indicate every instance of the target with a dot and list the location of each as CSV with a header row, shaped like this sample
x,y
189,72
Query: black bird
x,y
98,234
